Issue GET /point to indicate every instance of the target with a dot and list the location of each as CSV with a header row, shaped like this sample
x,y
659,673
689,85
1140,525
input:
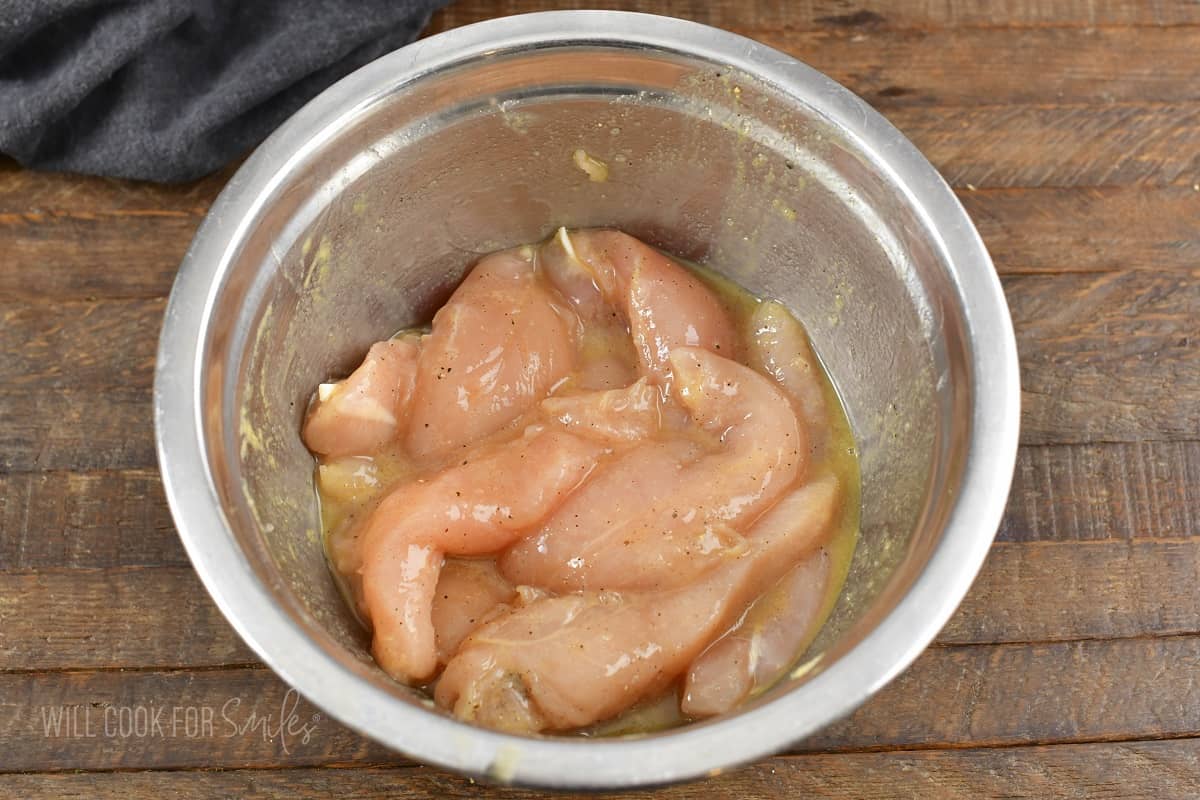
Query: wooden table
x,y
1070,130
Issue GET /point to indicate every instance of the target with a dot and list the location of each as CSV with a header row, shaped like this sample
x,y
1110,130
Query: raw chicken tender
x,y
360,415
760,648
469,593
625,528
779,347
619,415
497,347
664,305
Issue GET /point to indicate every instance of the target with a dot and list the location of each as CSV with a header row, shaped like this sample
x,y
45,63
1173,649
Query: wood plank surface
x,y
1048,591
111,518
79,343
1105,229
106,255
864,14
28,192
1078,228
1162,769
1061,493
1043,145
161,617
1112,690
131,242
1104,491
1108,357
988,66
76,429
1071,133
1105,357
113,618
1151,769
1025,694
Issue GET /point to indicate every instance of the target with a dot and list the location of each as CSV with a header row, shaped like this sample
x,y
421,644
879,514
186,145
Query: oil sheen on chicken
x,y
601,492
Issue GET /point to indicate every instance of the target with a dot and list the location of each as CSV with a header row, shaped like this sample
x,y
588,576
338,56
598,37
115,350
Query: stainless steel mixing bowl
x,y
359,214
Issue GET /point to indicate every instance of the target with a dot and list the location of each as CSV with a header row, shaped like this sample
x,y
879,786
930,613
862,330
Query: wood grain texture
x,y
1165,769
1024,145
161,617
78,343
105,254
1048,591
76,429
1108,357
86,520
857,14
1092,492
1061,493
952,696
119,617
989,66
24,192
1027,694
1088,230
1071,132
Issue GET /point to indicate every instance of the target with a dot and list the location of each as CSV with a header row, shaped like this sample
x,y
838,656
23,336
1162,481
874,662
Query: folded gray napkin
x,y
169,90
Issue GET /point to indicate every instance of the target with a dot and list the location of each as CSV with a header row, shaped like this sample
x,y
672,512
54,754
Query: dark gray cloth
x,y
169,90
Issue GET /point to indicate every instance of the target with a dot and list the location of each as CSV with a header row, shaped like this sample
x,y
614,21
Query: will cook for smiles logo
x,y
233,718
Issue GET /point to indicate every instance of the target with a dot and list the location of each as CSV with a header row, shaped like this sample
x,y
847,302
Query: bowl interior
x,y
367,228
